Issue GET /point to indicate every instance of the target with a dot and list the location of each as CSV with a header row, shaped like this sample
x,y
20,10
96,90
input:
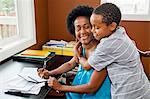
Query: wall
x,y
58,12
51,24
42,24
148,72
140,32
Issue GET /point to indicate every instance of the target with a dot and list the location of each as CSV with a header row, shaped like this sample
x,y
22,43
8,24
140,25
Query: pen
x,y
33,79
45,63
17,93
52,54
36,81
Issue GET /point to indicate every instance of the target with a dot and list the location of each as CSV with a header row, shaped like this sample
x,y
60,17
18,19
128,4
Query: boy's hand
x,y
84,63
82,60
43,73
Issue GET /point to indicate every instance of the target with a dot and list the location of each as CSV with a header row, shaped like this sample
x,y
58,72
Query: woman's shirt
x,y
83,77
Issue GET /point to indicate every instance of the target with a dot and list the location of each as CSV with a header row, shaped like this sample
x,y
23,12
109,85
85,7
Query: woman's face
x,y
83,30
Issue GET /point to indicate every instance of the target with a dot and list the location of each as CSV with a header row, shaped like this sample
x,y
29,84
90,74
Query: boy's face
x,y
83,30
100,29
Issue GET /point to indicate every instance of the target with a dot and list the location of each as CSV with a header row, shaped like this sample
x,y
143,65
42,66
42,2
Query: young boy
x,y
117,52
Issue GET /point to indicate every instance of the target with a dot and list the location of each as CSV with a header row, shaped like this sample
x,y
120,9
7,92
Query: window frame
x,y
134,17
26,29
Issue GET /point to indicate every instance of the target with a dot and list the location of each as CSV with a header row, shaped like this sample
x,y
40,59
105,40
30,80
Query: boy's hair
x,y
76,12
110,12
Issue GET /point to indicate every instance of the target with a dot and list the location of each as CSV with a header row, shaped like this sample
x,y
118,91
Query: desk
x,y
11,68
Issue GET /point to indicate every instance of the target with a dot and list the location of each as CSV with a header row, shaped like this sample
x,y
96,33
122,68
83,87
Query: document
x,y
30,74
19,84
27,81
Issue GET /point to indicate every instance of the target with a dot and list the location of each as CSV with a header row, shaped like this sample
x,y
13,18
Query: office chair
x,y
144,54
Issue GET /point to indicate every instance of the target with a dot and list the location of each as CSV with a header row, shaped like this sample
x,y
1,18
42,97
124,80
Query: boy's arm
x,y
84,62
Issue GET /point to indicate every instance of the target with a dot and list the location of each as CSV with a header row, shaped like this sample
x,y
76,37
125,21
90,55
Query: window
x,y
137,10
17,26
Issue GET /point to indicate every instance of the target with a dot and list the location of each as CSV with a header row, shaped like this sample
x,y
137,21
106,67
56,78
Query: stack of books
x,y
34,56
59,47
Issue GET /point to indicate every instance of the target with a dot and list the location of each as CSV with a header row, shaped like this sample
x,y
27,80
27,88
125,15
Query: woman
x,y
86,84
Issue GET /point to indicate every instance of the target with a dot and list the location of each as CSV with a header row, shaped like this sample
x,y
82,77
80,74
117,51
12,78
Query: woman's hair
x,y
110,12
76,12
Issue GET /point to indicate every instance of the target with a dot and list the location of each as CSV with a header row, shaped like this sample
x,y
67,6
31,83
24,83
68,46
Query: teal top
x,y
83,77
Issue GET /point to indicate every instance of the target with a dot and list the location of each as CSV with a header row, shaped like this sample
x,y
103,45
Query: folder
x,y
33,56
39,53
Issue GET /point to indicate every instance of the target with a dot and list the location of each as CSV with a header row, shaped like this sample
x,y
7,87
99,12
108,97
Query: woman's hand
x,y
43,73
53,82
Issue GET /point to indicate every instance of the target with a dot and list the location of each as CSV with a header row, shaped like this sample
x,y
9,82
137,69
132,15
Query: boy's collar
x,y
119,31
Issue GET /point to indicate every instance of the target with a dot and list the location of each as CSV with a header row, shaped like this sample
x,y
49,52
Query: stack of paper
x,y
59,47
57,42
26,82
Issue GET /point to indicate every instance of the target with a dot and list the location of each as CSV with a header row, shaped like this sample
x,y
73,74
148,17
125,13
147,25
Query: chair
x,y
144,55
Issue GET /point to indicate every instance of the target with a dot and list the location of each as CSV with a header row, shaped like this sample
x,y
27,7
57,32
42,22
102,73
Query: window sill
x,y
11,49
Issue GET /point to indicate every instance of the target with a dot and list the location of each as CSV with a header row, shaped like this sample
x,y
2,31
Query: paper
x,y
19,84
30,74
27,81
57,42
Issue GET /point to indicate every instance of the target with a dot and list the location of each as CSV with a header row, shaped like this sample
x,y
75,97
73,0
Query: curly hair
x,y
76,12
110,12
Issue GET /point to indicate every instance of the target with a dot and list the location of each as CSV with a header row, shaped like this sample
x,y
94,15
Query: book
x,y
34,56
39,53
